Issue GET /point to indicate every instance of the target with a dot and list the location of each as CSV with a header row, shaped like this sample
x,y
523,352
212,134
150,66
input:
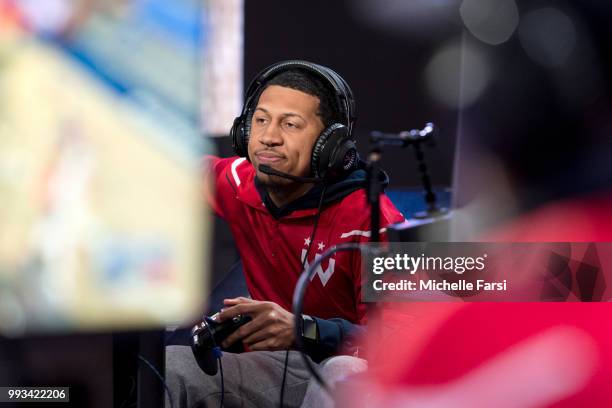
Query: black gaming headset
x,y
334,152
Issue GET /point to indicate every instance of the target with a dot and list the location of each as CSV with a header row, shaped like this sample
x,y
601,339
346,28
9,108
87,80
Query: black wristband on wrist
x,y
310,332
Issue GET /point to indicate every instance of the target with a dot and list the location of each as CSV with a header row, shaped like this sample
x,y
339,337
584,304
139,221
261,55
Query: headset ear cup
x,y
236,133
344,158
324,148
246,134
240,133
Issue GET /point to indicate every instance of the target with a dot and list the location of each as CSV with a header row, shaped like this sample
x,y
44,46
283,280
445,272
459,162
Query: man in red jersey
x,y
298,121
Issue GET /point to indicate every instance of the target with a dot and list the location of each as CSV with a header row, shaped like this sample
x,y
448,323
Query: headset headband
x,y
342,92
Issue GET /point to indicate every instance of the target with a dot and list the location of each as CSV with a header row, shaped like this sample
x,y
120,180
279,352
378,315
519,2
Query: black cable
x,y
282,395
298,303
131,392
216,350
312,236
222,382
161,378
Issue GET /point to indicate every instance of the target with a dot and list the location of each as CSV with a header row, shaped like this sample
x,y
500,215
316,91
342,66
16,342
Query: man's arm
x,y
333,335
218,188
272,328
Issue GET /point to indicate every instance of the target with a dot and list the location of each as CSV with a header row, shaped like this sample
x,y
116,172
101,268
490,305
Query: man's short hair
x,y
311,84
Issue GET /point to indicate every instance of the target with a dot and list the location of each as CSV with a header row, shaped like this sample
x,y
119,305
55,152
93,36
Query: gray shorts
x,y
251,379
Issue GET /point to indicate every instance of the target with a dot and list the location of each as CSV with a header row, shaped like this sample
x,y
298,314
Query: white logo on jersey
x,y
323,275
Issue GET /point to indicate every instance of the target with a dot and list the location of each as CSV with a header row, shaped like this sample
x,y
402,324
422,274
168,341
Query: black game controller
x,y
206,339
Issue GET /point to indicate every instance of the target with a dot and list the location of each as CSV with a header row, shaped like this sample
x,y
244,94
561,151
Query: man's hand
x,y
271,328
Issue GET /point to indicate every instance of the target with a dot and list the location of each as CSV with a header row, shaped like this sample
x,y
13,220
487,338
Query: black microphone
x,y
264,168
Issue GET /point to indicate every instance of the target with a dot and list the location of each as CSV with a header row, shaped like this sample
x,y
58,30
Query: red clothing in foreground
x,y
501,354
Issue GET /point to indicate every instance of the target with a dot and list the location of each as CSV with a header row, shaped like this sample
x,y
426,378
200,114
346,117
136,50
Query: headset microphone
x,y
272,172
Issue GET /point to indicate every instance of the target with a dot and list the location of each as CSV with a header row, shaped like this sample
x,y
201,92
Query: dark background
x,y
384,71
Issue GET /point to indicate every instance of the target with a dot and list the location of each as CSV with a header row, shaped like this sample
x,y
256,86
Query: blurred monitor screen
x,y
101,218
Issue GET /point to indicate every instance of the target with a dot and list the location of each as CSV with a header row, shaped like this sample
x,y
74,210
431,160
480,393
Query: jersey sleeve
x,y
217,188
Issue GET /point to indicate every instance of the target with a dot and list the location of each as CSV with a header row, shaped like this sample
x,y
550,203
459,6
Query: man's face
x,y
284,128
